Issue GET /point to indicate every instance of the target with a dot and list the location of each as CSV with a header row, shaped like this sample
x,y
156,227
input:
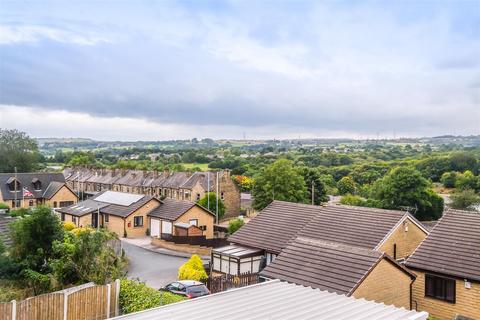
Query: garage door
x,y
166,227
155,227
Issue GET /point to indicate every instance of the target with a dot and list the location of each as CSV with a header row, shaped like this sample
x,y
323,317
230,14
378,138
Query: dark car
x,y
188,288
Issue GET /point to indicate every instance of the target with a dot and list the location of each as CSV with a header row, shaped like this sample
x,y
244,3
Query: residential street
x,y
154,268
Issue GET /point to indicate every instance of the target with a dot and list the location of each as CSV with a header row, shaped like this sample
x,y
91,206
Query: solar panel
x,y
120,198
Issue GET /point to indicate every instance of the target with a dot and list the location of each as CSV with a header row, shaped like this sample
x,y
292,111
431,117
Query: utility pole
x,y
216,212
208,190
313,193
15,187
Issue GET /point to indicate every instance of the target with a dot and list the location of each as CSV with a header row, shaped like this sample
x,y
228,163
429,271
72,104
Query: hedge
x,y
137,296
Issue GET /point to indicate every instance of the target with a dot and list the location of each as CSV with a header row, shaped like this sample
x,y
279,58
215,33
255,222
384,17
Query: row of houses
x,y
381,255
174,185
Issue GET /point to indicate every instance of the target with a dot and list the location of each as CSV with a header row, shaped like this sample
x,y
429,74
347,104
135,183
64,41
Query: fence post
x,y
65,306
117,296
14,309
109,292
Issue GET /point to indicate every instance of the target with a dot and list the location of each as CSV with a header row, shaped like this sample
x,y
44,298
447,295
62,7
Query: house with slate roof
x,y
174,185
447,265
26,190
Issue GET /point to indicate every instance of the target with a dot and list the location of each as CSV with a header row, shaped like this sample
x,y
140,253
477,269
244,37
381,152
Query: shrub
x,y
192,269
136,296
4,206
346,185
465,200
20,212
352,200
69,226
448,179
234,225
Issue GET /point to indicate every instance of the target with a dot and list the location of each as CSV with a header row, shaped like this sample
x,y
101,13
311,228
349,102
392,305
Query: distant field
x,y
202,166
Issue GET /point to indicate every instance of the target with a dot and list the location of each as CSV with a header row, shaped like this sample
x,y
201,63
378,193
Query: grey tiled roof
x,y
452,247
172,209
328,266
25,180
52,189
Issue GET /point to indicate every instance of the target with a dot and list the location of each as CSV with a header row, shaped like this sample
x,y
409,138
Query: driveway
x,y
155,269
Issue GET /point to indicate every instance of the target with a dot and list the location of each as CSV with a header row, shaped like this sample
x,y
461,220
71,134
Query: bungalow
x,y
122,213
447,265
343,269
397,233
24,190
181,218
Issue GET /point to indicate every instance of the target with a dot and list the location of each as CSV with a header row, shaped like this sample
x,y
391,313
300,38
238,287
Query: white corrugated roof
x,y
120,198
277,300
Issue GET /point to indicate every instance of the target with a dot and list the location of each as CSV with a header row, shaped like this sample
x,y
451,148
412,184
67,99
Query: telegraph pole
x,y
313,193
15,182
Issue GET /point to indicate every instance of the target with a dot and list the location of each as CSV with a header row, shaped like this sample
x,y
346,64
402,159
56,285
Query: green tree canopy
x,y
278,181
465,200
17,150
211,197
346,185
312,177
406,187
234,225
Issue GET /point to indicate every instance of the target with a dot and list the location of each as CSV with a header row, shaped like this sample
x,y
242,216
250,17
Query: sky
x,y
158,70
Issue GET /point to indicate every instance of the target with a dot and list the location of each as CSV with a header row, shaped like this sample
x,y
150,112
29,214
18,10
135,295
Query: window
x,y
106,217
62,216
203,228
30,203
74,220
440,288
37,185
16,204
64,204
193,222
138,221
222,195
55,204
198,196
395,251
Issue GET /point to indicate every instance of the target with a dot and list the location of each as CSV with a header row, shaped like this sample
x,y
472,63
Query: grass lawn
x,y
202,166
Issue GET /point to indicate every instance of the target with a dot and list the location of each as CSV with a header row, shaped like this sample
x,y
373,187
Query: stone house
x,y
175,185
447,265
26,190
383,237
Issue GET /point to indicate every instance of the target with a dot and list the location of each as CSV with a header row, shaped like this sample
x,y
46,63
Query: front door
x,y
94,220
155,227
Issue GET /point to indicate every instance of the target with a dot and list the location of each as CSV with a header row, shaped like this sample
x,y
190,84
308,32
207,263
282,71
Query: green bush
x,y
352,200
234,225
136,296
4,206
192,269
21,212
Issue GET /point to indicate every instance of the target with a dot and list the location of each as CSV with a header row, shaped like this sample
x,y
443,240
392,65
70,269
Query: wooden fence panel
x,y
46,306
88,303
228,281
6,311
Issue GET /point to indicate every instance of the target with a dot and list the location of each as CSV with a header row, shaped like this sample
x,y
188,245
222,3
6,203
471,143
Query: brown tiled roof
x,y
356,226
277,224
172,209
328,266
452,247
282,221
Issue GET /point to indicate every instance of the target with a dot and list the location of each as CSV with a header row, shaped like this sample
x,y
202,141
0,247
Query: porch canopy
x,y
234,259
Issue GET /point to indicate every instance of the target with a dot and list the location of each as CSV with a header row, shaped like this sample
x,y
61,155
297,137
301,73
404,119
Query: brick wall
x,y
407,237
386,283
467,300
231,195
204,219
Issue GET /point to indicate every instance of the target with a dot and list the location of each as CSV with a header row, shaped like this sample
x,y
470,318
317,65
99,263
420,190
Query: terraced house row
x,y
174,185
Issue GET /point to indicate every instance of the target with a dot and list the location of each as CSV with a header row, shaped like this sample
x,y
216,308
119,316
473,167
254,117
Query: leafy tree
x,y
81,159
204,202
353,200
312,177
465,200
406,187
278,181
433,167
33,238
18,150
234,225
86,255
192,269
463,161
346,185
448,179
466,181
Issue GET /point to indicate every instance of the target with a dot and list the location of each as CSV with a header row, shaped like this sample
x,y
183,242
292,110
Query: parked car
x,y
188,288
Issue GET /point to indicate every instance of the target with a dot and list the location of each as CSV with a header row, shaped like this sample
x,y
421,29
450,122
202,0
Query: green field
x,y
202,166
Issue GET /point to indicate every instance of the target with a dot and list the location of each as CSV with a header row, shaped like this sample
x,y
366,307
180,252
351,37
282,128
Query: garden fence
x,y
86,302
227,281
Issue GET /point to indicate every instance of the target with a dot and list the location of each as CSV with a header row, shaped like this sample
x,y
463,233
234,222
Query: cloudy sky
x,y
153,70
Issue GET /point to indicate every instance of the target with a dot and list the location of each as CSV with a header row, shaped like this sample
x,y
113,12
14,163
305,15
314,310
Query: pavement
x,y
155,266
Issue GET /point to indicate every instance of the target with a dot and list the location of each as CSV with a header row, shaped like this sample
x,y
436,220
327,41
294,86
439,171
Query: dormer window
x,y
37,184
13,184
